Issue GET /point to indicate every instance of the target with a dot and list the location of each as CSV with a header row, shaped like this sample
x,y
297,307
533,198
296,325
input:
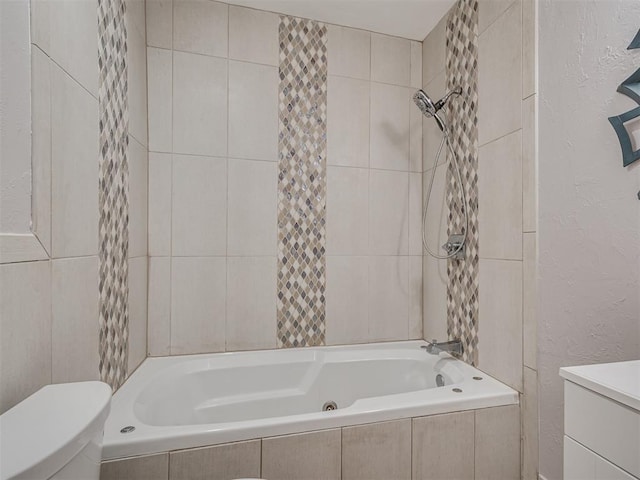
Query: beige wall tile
x,y
347,211
500,198
135,17
198,291
347,307
490,10
500,321
529,425
312,456
252,210
390,121
416,64
199,104
348,122
253,35
431,134
151,467
388,298
159,205
437,211
497,443
500,76
74,319
350,52
415,134
377,451
25,322
74,41
251,303
159,15
222,462
388,213
159,306
253,111
529,167
415,297
529,286
435,280
137,78
433,52
137,312
199,206
390,60
74,168
443,447
200,26
138,198
529,53
160,97
415,214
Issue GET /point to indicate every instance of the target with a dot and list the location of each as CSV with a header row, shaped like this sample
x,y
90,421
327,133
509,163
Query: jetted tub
x,y
198,400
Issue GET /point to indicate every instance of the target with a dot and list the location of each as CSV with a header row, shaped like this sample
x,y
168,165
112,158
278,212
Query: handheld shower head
x,y
430,109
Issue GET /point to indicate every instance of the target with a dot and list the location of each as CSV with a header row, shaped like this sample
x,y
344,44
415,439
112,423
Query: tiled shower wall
x,y
506,189
216,169
49,309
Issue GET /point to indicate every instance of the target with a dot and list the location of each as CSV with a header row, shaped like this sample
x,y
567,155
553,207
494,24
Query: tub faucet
x,y
454,347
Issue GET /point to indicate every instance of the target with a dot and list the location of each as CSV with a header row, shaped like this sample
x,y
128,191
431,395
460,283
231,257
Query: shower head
x,y
430,109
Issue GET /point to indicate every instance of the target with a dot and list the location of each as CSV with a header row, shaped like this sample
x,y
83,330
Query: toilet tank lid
x,y
41,434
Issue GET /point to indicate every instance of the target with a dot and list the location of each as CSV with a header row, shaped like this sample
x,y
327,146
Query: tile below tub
x,y
221,462
150,467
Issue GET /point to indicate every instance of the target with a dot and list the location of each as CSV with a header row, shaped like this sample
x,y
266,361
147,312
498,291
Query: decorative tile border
x,y
113,192
302,182
462,70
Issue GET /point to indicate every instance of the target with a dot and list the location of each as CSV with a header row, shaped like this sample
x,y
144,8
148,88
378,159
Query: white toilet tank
x,y
56,433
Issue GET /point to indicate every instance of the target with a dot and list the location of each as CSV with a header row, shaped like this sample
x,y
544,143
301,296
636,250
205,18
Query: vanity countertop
x,y
619,381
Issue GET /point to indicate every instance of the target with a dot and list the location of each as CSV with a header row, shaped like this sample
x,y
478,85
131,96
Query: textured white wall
x,y
589,220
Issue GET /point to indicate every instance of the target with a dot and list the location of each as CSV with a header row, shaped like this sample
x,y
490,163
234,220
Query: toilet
x,y
56,433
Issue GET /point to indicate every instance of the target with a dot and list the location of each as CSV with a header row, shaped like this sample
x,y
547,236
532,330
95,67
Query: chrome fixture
x,y
454,248
330,405
454,347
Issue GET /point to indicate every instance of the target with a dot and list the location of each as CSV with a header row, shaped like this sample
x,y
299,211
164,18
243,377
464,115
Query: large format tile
x,y
160,94
253,35
74,319
137,81
497,443
137,312
348,122
415,213
529,180
416,64
199,206
388,298
390,60
25,322
200,26
435,281
347,211
443,447
198,291
490,10
309,456
433,52
159,16
74,41
221,462
74,168
500,198
529,425
350,52
437,211
500,76
253,111
377,451
252,208
500,321
151,467
415,298
529,53
347,300
138,198
135,17
159,204
389,130
415,134
159,306
388,213
529,294
251,303
199,104
431,134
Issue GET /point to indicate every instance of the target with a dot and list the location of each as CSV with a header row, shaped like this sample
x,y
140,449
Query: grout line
x,y
500,137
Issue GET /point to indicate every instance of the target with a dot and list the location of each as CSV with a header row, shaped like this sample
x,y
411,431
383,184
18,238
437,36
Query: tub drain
x,y
329,406
127,429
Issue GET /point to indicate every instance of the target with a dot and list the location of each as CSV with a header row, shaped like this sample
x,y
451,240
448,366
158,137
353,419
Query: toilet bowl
x,y
56,433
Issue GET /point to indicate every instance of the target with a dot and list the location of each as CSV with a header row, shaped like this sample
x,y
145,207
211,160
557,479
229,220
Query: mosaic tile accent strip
x,y
302,182
462,70
113,193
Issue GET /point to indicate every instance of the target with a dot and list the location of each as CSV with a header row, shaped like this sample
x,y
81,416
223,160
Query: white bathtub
x,y
197,400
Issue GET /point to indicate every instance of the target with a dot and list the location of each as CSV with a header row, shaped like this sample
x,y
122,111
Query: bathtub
x,y
191,401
